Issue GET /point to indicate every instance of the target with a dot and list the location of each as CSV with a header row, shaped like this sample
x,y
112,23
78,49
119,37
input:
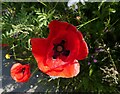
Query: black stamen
x,y
54,48
62,42
23,70
66,52
56,54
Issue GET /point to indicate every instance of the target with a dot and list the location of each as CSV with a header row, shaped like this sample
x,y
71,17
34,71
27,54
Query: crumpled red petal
x,y
18,75
16,67
66,71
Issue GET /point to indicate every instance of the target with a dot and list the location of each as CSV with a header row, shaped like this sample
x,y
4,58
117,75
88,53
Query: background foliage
x,y
99,22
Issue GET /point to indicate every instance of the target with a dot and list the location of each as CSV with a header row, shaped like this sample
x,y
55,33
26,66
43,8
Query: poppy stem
x,y
79,26
34,71
58,85
14,51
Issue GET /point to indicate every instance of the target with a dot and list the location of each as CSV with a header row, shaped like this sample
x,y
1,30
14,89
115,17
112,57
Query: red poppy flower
x,y
20,73
3,45
57,55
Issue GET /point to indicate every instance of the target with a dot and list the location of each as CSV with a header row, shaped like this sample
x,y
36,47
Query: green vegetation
x,y
100,24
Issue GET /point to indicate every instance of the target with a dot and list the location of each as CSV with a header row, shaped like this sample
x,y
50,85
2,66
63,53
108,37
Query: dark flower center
x,y
60,50
23,70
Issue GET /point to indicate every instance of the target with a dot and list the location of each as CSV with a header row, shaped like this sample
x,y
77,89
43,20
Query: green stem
x,y
79,26
53,7
110,56
42,3
14,51
28,59
58,85
114,23
34,72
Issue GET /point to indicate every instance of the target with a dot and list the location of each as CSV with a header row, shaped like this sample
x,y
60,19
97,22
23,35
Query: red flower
x,y
57,55
3,45
20,73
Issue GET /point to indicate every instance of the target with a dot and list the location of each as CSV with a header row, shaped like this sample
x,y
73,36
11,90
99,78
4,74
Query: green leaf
x,y
112,10
90,72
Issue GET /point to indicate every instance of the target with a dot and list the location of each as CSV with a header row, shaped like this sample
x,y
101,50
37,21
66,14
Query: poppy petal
x,y
56,28
66,71
65,31
83,50
39,50
17,65
16,68
25,78
19,76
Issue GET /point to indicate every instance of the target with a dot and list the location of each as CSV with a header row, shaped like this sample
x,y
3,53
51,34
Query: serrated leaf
x,y
42,19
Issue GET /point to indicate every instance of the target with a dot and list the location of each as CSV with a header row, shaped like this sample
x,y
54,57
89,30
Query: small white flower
x,y
83,1
74,2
